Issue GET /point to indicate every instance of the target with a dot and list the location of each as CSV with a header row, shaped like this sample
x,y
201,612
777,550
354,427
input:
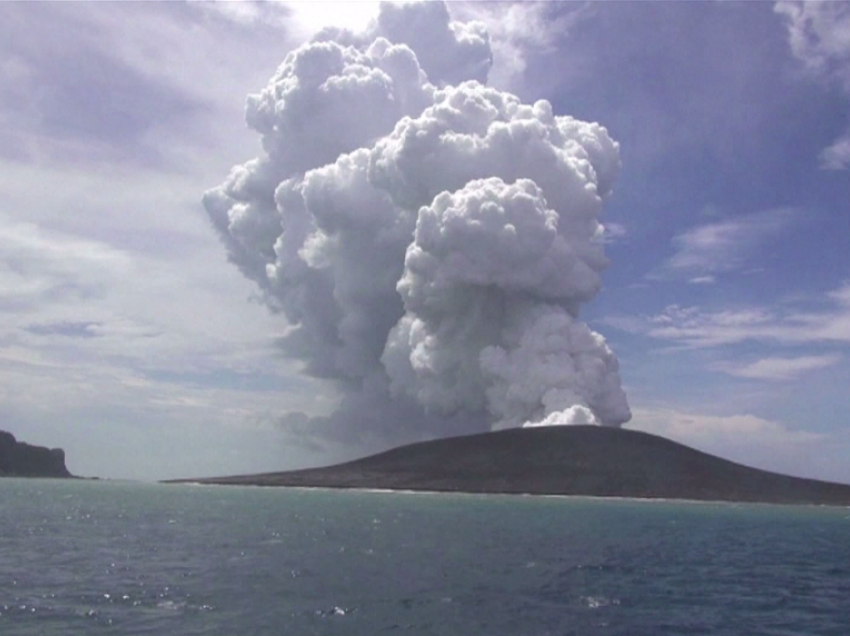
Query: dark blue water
x,y
117,558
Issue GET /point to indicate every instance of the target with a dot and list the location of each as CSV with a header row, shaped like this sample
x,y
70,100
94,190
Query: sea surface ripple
x,y
130,559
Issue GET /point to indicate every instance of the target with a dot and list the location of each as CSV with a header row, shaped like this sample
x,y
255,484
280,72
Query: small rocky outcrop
x,y
19,459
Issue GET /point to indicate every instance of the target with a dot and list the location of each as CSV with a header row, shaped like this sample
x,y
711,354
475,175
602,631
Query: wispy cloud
x,y
301,19
743,437
720,246
38,268
694,427
614,232
243,12
703,280
779,368
519,28
837,156
65,328
692,327
98,108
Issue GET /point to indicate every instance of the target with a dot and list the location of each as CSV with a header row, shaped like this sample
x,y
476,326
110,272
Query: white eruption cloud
x,y
430,239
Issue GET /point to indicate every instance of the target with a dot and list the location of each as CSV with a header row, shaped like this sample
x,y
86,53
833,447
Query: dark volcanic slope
x,y
568,460
18,459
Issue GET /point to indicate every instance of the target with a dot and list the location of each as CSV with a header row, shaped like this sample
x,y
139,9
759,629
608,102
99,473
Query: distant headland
x,y
18,459
560,460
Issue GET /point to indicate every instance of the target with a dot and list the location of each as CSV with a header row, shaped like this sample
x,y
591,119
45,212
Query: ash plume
x,y
429,239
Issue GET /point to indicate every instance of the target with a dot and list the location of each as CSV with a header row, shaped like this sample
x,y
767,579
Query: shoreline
x,y
466,493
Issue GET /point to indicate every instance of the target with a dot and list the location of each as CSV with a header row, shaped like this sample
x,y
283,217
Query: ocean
x,y
88,557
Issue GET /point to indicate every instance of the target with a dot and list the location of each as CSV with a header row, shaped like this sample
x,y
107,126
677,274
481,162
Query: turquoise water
x,y
124,558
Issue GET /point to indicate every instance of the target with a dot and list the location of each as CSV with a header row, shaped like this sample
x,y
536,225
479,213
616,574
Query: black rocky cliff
x,y
18,459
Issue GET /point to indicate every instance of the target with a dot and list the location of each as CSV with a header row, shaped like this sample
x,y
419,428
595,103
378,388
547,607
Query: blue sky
x,y
128,339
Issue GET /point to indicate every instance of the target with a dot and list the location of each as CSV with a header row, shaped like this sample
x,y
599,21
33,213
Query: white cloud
x,y
412,221
515,28
111,275
38,268
114,421
819,36
693,327
308,18
841,295
744,438
302,18
614,232
519,28
721,246
109,278
779,368
244,12
837,156
120,318
491,245
703,280
701,428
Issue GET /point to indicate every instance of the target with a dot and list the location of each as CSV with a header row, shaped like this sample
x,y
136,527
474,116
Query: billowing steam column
x,y
431,243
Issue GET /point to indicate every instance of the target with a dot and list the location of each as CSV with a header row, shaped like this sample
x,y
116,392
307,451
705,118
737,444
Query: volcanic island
x,y
594,461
